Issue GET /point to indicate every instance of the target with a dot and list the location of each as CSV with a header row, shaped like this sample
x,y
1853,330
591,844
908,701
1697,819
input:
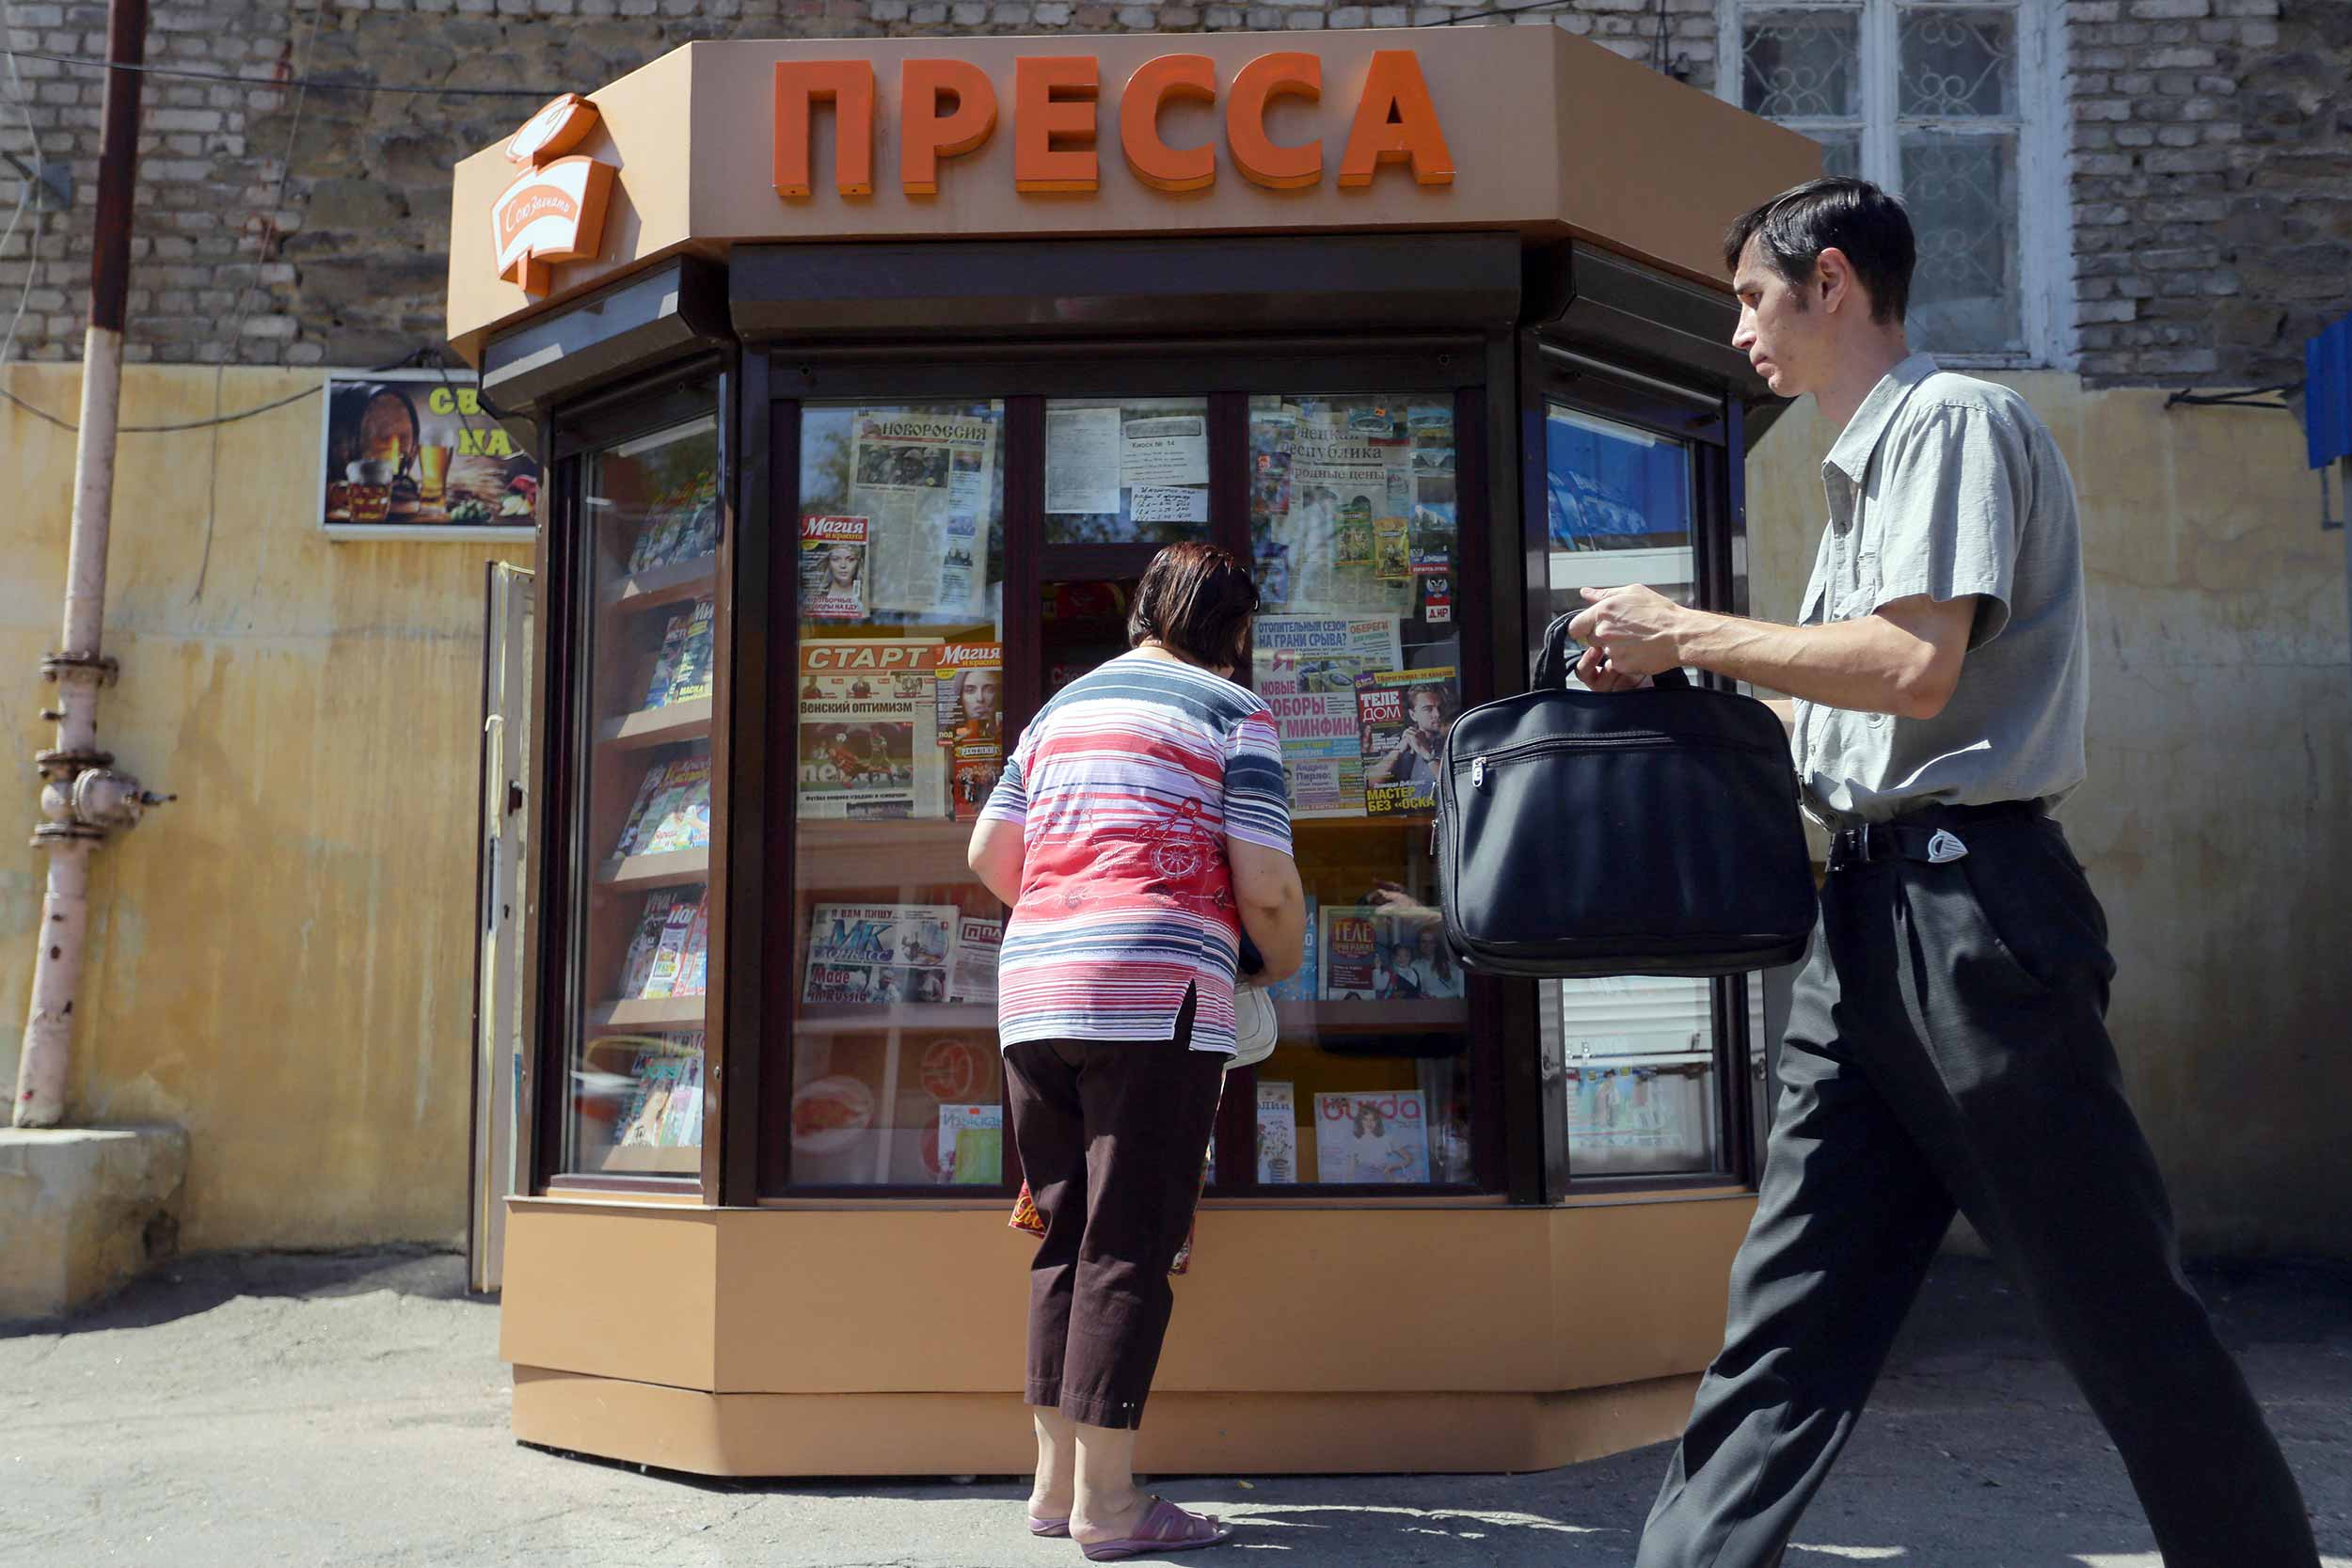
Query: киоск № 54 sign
x,y
413,454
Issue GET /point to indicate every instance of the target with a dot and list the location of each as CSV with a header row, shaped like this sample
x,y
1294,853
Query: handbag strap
x,y
1559,655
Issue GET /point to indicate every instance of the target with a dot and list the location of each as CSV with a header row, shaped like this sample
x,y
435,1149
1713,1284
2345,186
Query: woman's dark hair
x,y
1197,599
1853,216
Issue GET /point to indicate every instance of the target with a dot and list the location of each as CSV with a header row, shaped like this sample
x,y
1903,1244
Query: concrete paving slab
x,y
350,1412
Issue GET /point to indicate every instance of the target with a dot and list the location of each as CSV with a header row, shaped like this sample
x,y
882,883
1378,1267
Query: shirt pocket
x,y
1815,594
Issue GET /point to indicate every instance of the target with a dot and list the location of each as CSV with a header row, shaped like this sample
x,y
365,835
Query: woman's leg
x,y
1049,1130
1150,1109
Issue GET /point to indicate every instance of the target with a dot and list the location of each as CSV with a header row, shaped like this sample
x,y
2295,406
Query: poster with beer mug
x,y
414,454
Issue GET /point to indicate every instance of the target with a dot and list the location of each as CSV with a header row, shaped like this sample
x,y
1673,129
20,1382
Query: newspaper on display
x,y
880,952
923,483
1352,508
1305,667
869,729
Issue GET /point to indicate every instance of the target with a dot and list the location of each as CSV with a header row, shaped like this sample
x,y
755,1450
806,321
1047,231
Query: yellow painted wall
x,y
2216,823
282,961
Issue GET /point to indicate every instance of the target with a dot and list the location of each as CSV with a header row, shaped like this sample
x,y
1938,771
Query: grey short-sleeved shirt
x,y
1948,486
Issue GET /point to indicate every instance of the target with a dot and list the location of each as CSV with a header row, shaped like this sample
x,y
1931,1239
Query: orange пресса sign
x,y
948,107
554,210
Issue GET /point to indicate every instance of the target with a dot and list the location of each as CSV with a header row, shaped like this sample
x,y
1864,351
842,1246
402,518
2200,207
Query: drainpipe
x,y
81,798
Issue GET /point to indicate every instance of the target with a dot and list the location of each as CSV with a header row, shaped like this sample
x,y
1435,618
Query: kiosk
x,y
867,376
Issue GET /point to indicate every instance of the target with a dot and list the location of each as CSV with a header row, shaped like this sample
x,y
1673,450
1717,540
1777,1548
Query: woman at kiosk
x,y
1137,831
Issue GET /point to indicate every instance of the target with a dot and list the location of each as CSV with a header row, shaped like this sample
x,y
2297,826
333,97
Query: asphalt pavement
x,y
350,1411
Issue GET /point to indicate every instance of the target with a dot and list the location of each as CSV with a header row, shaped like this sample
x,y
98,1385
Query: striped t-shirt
x,y
1125,786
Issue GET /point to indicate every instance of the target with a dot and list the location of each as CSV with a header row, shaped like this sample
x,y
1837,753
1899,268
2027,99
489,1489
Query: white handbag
x,y
1255,1026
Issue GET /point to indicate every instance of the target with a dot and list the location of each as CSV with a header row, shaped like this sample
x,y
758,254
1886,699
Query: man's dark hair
x,y
1197,599
1853,215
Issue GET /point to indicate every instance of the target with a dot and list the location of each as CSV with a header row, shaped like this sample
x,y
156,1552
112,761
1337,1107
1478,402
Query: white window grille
x,y
1953,106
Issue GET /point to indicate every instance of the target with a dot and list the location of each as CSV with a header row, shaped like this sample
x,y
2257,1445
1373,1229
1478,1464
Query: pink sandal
x,y
1164,1527
1055,1529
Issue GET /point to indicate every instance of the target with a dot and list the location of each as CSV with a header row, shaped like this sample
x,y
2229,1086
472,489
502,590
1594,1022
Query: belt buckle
x,y
1945,847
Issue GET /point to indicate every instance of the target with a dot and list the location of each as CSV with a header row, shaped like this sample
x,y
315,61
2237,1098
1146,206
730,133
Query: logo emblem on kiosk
x,y
554,210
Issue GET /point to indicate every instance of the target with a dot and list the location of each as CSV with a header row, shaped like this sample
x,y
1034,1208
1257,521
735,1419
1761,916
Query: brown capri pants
x,y
1112,1135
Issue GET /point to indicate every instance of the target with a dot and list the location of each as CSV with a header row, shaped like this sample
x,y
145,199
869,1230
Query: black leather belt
x,y
1936,835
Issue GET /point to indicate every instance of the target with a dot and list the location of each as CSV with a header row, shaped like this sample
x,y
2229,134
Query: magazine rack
x,y
829,518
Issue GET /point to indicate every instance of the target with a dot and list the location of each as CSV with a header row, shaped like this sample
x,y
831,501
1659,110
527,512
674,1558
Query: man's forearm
x,y
1867,665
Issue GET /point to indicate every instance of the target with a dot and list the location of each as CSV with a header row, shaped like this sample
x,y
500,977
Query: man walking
x,y
1946,1045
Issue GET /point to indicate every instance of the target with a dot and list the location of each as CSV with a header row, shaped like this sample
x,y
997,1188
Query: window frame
x,y
2045,253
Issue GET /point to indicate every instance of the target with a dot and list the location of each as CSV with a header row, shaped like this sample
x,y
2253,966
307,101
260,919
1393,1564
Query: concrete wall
x,y
282,961
2216,823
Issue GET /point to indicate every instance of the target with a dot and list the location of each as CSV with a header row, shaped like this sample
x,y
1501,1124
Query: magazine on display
x,y
869,729
971,1140
1306,667
682,669
1372,955
880,954
672,810
1301,985
924,481
971,722
1403,716
680,930
1278,1132
652,920
682,524
979,941
1381,1137
664,1105
833,568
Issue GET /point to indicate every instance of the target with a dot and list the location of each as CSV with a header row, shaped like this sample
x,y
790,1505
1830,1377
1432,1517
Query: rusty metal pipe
x,y
80,798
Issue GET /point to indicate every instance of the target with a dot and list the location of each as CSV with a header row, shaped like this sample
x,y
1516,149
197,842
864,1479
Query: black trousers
x,y
1112,1134
1948,1047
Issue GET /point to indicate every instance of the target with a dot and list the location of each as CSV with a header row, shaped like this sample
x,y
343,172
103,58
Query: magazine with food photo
x,y
1403,716
833,568
881,953
1376,1137
868,723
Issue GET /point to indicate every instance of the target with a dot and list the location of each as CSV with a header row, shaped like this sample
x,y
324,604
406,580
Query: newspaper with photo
x,y
869,729
923,483
1306,667
880,952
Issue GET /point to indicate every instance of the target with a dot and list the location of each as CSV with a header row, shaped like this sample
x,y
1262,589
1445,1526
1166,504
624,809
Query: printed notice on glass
x,y
922,480
1164,503
1082,461
1167,449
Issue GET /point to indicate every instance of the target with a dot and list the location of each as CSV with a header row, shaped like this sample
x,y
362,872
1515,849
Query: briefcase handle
x,y
1554,662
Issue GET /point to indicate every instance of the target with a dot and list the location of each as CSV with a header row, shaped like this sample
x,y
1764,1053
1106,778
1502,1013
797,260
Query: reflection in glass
x,y
1638,1052
1961,193
896,1076
654,515
1132,472
1356,648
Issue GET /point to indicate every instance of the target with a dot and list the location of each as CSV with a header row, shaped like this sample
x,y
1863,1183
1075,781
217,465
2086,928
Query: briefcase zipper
x,y
1613,739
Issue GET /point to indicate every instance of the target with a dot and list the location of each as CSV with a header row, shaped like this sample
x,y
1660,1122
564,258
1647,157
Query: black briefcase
x,y
1632,832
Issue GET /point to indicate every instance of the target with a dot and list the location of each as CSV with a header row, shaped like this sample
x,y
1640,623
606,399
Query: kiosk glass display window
x,y
653,512
1639,1052
900,697
1353,531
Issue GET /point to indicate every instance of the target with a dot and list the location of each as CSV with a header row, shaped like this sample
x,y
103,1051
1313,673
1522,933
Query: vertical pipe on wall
x,y
80,798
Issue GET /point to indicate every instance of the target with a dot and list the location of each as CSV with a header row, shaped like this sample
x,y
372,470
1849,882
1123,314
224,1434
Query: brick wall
x,y
2211,188
2212,184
